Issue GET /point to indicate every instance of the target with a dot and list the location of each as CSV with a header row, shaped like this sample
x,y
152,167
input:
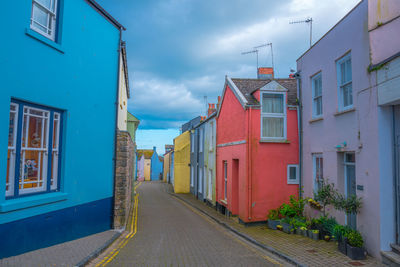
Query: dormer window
x,y
273,115
44,17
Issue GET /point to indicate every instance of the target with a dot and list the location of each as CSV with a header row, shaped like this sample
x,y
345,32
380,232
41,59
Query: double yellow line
x,y
110,256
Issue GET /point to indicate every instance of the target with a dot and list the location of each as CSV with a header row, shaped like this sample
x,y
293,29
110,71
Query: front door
x,y
350,178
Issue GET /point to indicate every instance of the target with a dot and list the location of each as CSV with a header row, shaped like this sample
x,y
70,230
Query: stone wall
x,y
123,179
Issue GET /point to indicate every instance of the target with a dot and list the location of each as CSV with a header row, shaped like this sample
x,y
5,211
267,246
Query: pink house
x,y
257,147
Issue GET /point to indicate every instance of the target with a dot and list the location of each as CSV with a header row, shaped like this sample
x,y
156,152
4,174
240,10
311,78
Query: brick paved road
x,y
171,234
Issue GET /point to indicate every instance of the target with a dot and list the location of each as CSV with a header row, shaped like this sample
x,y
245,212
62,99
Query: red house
x,y
257,146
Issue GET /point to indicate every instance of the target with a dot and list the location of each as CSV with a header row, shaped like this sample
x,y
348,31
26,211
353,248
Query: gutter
x,y
300,129
105,14
116,126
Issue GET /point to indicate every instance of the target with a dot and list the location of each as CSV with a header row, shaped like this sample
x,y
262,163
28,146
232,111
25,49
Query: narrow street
x,y
171,234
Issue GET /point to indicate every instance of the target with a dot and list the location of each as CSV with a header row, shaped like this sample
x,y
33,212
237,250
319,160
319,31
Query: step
x,y
395,248
390,258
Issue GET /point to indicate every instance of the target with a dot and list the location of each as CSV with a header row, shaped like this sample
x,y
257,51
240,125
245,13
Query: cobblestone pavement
x,y
64,254
301,249
171,233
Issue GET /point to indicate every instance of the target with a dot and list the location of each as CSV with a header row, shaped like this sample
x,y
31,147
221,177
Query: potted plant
x,y
340,233
315,234
304,231
279,227
273,219
327,238
355,242
286,224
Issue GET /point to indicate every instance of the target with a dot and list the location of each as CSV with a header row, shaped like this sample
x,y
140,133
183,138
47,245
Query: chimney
x,y
154,148
291,76
265,73
219,102
211,109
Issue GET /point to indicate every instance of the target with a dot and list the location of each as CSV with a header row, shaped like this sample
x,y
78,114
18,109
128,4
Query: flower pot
x,y
355,253
273,223
315,236
299,231
342,246
310,234
287,227
305,233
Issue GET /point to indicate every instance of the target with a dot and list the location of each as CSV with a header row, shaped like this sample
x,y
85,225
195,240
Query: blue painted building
x,y
59,65
156,169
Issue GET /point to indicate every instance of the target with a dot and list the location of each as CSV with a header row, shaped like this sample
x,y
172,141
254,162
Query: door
x,y
235,187
350,178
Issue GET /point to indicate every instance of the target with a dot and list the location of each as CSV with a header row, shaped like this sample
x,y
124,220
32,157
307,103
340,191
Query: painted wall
x,y
257,171
383,25
140,169
79,79
181,163
167,161
359,128
133,124
209,159
123,98
147,169
156,166
171,167
197,161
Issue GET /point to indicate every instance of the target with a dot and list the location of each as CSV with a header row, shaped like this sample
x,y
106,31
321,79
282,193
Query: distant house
x,y
257,147
156,166
210,149
181,169
197,170
167,162
144,164
57,182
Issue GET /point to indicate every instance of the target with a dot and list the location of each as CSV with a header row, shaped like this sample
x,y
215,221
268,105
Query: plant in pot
x,y
340,232
315,234
355,243
279,227
327,238
287,225
273,219
325,195
304,231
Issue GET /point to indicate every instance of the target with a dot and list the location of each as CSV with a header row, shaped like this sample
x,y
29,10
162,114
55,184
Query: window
x,y
211,135
317,95
192,142
200,180
293,174
210,184
44,17
345,86
33,149
191,176
273,116
225,179
200,140
318,165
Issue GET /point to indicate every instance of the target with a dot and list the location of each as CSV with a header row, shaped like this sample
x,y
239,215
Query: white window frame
x,y
316,97
314,159
52,19
192,142
201,144
11,169
340,85
225,169
291,181
200,180
273,115
211,142
56,152
191,176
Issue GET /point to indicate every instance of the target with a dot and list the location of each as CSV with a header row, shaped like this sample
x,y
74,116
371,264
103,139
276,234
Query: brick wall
x,y
123,179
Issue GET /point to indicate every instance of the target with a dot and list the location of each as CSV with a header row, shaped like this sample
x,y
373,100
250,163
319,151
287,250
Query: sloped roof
x,y
104,13
248,86
146,152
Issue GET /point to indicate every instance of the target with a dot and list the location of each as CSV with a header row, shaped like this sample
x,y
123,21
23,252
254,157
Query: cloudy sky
x,y
179,51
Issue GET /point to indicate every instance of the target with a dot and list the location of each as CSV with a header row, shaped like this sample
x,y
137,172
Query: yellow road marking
x,y
232,235
110,256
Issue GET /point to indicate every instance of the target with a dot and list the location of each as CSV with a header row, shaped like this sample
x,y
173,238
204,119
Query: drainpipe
x,y
116,126
395,172
300,129
250,168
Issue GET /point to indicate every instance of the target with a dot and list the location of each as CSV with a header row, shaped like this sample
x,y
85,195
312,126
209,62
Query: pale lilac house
x,y
350,119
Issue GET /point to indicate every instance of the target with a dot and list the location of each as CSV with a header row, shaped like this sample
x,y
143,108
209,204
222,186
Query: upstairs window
x,y
192,142
273,116
345,86
33,159
201,140
317,96
44,17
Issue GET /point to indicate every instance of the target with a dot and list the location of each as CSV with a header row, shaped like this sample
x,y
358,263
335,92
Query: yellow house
x,y
181,163
147,165
166,166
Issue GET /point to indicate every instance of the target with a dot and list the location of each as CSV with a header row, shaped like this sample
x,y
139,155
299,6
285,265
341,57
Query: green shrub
x,y
273,214
340,231
355,239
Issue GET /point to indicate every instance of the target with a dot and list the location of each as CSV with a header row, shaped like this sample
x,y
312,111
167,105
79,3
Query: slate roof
x,y
146,152
248,86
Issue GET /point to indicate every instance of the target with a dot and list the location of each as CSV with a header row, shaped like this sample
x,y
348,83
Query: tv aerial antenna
x,y
309,22
272,52
255,51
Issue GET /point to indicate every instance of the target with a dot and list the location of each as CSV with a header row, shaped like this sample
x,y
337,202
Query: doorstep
x,y
299,250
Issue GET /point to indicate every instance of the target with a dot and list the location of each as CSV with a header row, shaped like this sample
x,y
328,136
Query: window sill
x,y
44,40
32,201
344,111
315,119
279,141
224,201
